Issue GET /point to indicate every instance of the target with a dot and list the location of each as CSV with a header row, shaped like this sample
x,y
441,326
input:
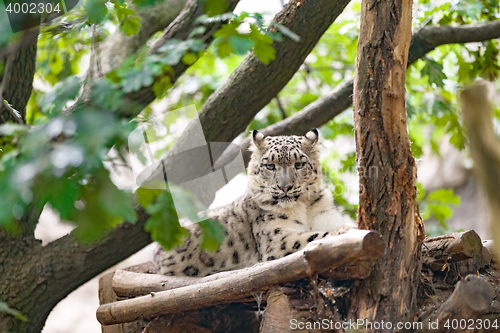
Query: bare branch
x,y
430,37
327,107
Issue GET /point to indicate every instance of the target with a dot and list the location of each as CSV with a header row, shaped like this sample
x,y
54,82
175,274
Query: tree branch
x,y
90,260
315,258
17,90
430,37
255,83
178,29
327,107
118,46
50,273
3,87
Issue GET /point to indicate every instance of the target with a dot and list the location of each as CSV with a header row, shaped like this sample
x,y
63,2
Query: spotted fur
x,y
285,207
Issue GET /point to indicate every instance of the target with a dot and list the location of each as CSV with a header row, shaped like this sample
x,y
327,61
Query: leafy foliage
x,y
67,152
437,204
163,223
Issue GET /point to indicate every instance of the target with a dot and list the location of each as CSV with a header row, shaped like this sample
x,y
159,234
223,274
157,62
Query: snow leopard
x,y
285,207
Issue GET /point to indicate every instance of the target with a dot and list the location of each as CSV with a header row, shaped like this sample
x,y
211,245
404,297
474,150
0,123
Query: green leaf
x,y
173,51
189,58
163,224
102,206
187,203
106,95
491,68
197,31
63,92
161,86
434,71
130,25
444,196
6,309
96,10
145,3
240,44
212,234
63,204
420,192
215,7
223,48
9,129
146,197
263,46
135,79
440,212
349,163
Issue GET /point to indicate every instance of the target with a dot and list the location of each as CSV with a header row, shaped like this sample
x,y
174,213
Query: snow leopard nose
x,y
285,188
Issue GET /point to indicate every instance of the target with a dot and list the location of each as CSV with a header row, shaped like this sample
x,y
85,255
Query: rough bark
x,y
386,167
35,277
316,257
18,89
329,106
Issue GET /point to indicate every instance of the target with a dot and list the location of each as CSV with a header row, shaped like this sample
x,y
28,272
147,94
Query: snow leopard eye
x,y
270,166
299,165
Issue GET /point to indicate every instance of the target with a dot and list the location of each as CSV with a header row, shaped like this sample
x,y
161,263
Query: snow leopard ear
x,y
258,139
311,138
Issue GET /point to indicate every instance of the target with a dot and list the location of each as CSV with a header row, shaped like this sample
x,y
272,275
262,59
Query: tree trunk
x,y
34,278
386,167
18,89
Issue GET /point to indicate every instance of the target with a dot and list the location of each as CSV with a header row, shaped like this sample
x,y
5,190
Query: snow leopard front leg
x,y
279,242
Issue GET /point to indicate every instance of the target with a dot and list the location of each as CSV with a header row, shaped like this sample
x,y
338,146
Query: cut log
x,y
316,257
492,250
473,265
278,313
438,251
106,295
130,284
470,300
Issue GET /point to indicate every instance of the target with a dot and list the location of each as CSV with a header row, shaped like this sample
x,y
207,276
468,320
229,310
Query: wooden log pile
x,y
135,300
